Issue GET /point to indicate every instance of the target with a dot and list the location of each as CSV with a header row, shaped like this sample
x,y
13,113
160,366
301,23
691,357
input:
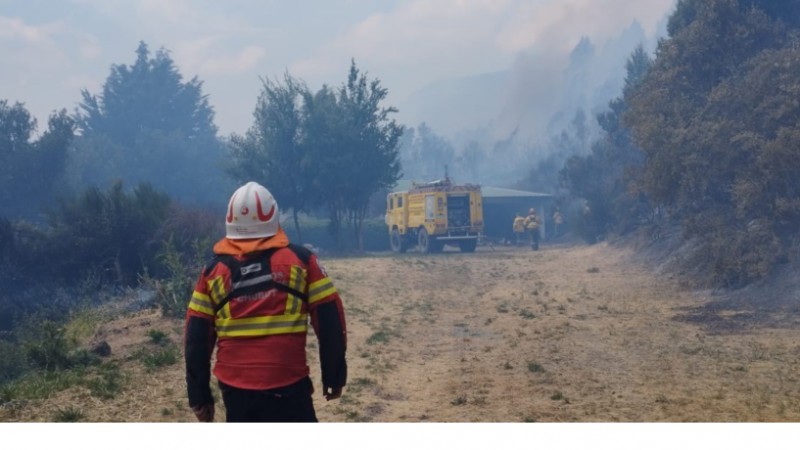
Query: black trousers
x,y
285,404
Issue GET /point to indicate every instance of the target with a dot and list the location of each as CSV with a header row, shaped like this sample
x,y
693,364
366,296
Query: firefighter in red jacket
x,y
253,302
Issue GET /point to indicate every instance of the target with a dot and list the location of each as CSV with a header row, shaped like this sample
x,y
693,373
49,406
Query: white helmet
x,y
252,213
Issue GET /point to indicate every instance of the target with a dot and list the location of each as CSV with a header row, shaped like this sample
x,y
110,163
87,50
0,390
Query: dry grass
x,y
575,334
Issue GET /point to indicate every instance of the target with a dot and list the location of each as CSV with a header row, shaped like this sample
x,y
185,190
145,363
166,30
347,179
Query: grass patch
x,y
378,337
593,270
527,314
156,359
535,367
106,382
38,385
362,382
84,323
69,414
460,400
158,337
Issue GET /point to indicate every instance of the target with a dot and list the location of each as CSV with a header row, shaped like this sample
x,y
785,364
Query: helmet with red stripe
x,y
252,213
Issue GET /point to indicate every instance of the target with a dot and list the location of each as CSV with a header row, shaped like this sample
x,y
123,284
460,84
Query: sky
x,y
51,50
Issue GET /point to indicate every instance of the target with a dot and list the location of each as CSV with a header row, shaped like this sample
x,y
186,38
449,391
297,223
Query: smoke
x,y
547,100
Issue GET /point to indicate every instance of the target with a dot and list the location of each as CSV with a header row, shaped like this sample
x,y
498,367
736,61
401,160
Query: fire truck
x,y
432,215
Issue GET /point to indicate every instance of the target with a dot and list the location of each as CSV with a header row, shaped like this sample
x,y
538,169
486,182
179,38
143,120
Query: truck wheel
x,y
468,246
396,242
424,241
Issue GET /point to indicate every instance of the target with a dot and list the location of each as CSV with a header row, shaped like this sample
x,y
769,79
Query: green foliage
x,y
374,234
105,382
20,157
425,154
161,356
37,385
717,118
331,149
605,178
51,351
153,127
107,233
273,148
535,367
174,291
379,337
158,337
13,362
69,414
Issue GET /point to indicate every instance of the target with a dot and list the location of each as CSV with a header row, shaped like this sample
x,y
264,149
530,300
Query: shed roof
x,y
486,191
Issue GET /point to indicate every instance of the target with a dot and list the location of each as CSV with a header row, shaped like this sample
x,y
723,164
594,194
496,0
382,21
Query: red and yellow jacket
x,y
254,301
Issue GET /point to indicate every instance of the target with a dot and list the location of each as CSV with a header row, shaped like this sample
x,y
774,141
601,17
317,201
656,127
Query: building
x,y
501,205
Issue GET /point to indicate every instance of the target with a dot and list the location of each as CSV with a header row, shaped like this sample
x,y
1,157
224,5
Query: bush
x,y
174,291
50,351
315,232
13,362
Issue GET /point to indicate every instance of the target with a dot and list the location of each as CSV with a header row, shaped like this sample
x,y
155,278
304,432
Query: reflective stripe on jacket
x,y
519,224
531,222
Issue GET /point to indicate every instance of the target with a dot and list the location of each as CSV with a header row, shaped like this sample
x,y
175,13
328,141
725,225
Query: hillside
x,y
566,334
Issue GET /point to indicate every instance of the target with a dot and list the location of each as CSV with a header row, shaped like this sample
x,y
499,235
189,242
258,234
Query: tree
x,y
148,125
272,151
354,145
606,177
23,195
716,118
373,139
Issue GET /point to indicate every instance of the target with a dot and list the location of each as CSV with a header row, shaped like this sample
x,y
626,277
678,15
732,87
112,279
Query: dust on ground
x,y
564,334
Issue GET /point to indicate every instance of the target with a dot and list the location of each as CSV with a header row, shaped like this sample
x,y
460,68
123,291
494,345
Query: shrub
x,y
158,337
106,382
161,357
51,350
13,362
69,414
174,291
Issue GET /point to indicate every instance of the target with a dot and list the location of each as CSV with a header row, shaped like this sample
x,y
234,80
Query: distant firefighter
x,y
558,220
532,223
519,228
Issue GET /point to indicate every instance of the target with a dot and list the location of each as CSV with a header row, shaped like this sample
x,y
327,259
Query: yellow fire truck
x,y
433,214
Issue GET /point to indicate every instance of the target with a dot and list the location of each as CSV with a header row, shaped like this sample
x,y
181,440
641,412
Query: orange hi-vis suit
x,y
254,302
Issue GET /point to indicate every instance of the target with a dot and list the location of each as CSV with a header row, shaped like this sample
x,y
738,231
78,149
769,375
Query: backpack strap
x,y
302,253
254,274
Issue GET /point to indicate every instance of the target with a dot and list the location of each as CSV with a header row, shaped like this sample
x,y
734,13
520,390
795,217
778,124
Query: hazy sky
x,y
52,49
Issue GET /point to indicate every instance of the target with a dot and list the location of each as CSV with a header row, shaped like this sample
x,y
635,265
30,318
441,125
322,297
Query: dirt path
x,y
566,334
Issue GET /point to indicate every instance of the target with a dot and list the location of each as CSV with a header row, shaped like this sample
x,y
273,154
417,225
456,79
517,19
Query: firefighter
x,y
519,228
558,220
532,222
253,302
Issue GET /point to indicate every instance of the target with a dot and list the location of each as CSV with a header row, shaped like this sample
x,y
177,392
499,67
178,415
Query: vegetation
x,y
705,136
331,149
153,127
19,158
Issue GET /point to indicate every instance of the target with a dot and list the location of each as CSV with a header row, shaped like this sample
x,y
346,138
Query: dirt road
x,y
565,334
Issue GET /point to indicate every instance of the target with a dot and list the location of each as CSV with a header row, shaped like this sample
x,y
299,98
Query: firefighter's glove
x,y
204,413
332,393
